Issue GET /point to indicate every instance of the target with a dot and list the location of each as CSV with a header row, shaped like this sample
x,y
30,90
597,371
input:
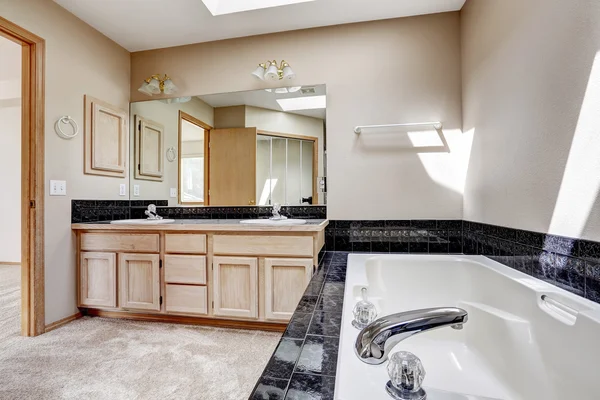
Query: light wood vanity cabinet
x,y
139,280
214,274
235,287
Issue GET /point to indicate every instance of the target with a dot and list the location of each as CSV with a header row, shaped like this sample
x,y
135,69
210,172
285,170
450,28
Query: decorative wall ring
x,y
66,120
171,154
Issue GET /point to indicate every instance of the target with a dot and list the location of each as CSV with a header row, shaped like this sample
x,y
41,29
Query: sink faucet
x,y
276,212
375,342
151,212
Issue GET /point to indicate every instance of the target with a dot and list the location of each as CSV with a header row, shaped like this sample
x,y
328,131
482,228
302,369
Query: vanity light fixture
x,y
282,90
271,72
157,85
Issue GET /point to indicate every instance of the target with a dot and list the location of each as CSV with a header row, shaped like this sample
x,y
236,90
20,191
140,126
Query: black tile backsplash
x,y
109,210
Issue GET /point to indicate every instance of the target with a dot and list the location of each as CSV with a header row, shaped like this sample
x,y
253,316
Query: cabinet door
x,y
98,280
235,287
285,282
139,281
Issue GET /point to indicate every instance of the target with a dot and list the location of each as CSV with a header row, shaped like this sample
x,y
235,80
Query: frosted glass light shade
x,y
272,73
259,72
169,87
144,89
288,73
154,86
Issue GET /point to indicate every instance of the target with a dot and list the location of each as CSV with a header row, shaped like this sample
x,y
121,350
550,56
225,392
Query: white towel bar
x,y
436,125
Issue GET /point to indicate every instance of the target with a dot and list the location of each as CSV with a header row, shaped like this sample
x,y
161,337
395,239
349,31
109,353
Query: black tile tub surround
x,y
571,264
110,210
304,364
399,236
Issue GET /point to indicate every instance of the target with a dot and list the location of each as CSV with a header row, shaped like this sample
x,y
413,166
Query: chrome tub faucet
x,y
375,342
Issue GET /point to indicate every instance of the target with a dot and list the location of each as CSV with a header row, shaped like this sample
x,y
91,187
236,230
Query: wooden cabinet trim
x,y
220,293
185,243
147,282
129,242
106,283
263,245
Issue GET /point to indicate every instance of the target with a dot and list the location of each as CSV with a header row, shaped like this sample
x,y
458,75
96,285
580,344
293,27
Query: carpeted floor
x,y
97,358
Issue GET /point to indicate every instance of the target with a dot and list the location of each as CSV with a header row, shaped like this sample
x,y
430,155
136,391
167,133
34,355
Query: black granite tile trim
x,y
316,325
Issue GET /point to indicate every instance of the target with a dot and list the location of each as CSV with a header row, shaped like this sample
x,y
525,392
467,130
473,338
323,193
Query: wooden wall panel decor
x,y
32,172
105,140
149,150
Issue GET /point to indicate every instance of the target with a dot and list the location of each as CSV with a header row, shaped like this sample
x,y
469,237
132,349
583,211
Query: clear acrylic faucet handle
x,y
406,376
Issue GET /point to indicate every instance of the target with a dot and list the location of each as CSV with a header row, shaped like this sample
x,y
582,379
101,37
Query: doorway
x,y
31,50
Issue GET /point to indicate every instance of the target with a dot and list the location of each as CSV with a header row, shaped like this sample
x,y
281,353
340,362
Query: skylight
x,y
302,103
221,7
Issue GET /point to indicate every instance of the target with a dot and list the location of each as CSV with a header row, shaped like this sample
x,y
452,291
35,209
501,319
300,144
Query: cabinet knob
x,y
251,202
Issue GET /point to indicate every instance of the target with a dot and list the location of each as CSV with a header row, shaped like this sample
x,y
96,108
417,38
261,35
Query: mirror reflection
x,y
258,147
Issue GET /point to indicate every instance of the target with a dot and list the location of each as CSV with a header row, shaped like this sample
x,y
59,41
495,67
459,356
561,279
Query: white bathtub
x,y
514,346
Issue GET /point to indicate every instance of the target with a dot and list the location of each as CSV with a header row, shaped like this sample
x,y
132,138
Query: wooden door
x,y
285,282
232,167
98,280
139,281
149,150
235,287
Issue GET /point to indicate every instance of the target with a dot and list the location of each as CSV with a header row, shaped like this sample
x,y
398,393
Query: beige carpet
x,y
10,302
97,358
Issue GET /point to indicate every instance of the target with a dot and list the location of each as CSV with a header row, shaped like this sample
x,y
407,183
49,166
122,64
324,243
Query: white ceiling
x,y
263,99
151,24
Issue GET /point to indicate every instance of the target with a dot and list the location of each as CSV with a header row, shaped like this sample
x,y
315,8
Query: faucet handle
x,y
406,377
364,311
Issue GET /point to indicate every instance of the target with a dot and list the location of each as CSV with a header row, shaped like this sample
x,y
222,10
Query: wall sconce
x,y
271,72
155,85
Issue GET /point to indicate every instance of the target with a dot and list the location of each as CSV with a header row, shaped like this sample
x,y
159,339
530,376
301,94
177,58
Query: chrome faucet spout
x,y
375,342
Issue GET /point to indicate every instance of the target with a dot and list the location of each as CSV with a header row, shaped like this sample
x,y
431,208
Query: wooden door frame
x,y
32,176
183,116
315,157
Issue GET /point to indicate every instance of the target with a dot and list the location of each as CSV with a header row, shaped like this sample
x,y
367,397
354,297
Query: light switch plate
x,y
58,188
136,190
122,189
173,192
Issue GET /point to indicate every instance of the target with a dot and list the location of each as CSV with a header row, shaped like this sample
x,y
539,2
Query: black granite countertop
x,y
304,363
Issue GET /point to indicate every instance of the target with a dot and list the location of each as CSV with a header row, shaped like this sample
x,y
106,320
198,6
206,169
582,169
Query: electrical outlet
x,y
173,192
122,189
136,190
58,188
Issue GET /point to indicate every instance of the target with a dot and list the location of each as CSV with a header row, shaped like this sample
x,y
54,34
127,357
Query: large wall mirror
x,y
258,147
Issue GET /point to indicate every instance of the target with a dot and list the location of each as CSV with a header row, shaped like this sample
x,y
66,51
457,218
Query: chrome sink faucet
x,y
151,212
375,342
277,212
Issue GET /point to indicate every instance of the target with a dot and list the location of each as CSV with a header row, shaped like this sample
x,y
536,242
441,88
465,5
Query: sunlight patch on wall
x,y
581,179
448,169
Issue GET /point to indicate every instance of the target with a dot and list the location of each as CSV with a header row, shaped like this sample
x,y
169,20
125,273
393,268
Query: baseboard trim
x,y
10,263
180,319
61,322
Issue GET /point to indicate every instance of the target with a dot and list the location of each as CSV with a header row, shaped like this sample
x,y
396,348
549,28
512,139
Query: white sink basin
x,y
273,222
142,221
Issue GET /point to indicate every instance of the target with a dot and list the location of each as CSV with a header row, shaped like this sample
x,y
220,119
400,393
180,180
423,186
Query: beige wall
x,y
531,98
79,61
168,116
401,70
10,142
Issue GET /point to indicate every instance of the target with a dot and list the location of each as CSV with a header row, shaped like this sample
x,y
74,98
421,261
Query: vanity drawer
x,y
185,243
140,242
293,246
190,270
186,299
